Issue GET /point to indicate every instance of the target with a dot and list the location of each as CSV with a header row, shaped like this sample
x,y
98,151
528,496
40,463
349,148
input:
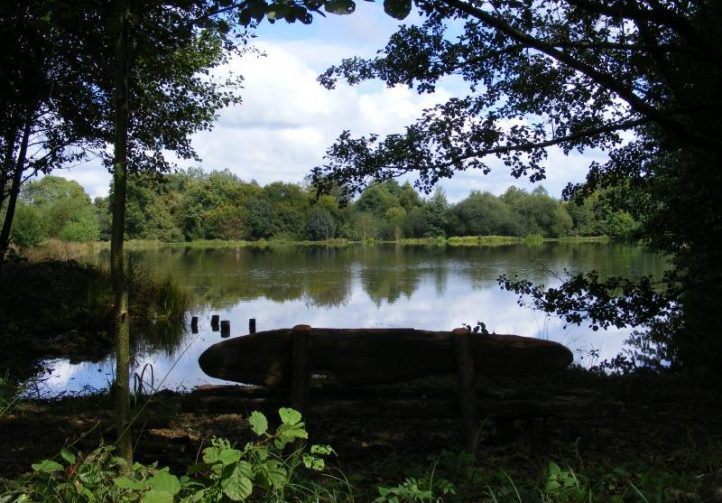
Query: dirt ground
x,y
596,424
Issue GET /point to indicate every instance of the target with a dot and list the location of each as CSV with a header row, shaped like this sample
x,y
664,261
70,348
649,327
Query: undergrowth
x,y
275,466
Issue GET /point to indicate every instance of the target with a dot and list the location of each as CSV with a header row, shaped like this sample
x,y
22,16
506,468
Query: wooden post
x,y
214,322
252,326
466,376
225,328
300,343
194,325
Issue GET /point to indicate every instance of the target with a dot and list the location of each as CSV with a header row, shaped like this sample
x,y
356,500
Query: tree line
x,y
192,205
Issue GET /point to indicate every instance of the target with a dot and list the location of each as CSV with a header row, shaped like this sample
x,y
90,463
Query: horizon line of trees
x,y
193,205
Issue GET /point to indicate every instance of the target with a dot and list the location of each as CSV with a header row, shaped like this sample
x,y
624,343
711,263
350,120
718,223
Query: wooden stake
x,y
300,342
225,328
466,376
214,322
252,326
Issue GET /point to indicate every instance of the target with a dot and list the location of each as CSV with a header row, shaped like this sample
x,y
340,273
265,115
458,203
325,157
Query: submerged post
x,y
214,322
300,342
194,325
466,376
225,328
252,326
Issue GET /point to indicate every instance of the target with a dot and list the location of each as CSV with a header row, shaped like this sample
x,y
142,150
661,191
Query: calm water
x,y
362,286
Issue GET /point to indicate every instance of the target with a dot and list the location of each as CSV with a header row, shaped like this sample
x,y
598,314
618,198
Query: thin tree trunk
x,y
7,162
15,186
117,270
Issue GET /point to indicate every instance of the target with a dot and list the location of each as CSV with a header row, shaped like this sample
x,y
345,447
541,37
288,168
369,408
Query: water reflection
x,y
434,288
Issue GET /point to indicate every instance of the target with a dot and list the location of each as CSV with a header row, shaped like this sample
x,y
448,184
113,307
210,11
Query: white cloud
x,y
287,120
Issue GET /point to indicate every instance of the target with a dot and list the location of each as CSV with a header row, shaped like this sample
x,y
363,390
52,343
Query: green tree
x,y
289,205
378,199
431,219
63,206
574,74
483,214
45,105
29,227
320,225
395,219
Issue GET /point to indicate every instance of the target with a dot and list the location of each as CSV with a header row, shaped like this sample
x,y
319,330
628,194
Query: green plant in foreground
x,y
563,485
258,471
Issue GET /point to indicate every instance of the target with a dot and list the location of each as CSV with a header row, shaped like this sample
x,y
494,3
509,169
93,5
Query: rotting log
x,y
377,356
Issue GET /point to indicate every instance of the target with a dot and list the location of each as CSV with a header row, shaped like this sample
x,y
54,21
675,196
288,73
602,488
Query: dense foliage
x,y
57,101
193,205
639,79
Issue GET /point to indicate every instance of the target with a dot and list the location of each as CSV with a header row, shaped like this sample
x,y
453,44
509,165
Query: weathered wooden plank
x,y
467,386
377,356
300,339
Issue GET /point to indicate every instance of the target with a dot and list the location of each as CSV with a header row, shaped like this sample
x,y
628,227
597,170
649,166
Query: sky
x,y
288,120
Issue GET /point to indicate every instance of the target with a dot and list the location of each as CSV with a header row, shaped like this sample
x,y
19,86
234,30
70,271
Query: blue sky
x,y
287,120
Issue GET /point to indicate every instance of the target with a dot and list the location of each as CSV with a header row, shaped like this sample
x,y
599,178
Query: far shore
x,y
70,250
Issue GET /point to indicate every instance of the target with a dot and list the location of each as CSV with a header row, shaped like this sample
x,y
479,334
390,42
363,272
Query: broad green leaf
x,y
242,469
258,422
47,466
229,456
165,482
238,485
210,454
340,7
155,496
273,473
398,9
289,416
286,434
67,456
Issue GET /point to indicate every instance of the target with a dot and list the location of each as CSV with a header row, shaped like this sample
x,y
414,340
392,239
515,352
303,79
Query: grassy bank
x,y
62,250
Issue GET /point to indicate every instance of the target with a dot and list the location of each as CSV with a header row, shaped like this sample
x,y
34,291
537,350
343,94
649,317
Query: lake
x,y
424,287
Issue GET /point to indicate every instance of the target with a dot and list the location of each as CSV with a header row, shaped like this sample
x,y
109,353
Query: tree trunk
x,y
17,178
117,270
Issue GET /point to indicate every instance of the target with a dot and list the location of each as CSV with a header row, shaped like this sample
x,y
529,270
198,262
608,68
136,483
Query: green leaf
x,y
397,9
258,422
322,450
155,496
211,454
340,7
165,482
238,486
273,474
313,463
229,456
289,416
67,456
47,466
286,434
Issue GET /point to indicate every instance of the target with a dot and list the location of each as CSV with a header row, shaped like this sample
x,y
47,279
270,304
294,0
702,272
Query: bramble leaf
x,y
258,423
